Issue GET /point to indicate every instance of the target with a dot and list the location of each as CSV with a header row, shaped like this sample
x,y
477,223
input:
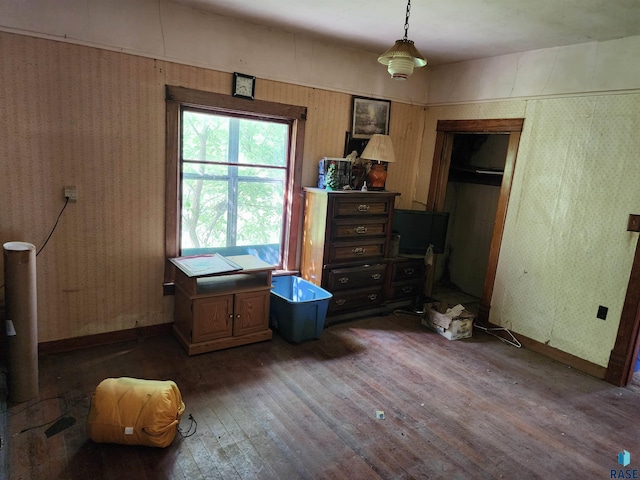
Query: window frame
x,y
176,98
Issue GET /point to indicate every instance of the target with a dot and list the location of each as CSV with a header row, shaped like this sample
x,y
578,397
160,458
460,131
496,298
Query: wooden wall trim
x,y
172,188
440,171
562,357
497,125
88,341
572,361
620,367
500,219
198,98
296,198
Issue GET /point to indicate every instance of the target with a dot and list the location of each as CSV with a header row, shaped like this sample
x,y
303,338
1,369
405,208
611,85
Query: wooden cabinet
x,y
345,242
406,278
225,310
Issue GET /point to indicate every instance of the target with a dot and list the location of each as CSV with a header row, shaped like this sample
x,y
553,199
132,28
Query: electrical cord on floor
x,y
492,331
33,427
408,312
193,425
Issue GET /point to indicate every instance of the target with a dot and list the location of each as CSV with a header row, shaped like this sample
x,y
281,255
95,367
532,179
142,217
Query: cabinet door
x,y
212,318
251,312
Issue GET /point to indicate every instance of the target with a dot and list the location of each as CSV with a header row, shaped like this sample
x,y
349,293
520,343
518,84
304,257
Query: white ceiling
x,y
444,31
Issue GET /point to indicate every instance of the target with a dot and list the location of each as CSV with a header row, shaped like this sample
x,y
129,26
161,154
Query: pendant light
x,y
403,57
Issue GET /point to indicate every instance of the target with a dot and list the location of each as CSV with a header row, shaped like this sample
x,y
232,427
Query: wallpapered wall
x,y
93,118
75,115
565,247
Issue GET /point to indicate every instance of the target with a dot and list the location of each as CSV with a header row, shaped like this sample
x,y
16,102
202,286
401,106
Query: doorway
x,y
471,199
462,152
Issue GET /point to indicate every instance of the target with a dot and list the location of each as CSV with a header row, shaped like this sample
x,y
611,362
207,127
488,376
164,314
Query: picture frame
x,y
369,116
351,144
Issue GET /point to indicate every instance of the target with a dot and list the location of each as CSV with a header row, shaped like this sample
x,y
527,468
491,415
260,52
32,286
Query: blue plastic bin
x,y
298,308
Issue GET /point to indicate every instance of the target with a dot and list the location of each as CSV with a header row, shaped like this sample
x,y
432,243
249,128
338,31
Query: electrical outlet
x,y
71,192
602,312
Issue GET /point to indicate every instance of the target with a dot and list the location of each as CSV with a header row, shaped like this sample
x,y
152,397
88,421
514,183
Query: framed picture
x,y
351,144
369,116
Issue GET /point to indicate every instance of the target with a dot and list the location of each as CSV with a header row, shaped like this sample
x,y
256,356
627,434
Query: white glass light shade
x,y
401,59
379,148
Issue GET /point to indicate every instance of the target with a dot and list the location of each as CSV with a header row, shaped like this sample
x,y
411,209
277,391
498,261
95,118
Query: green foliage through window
x,y
234,173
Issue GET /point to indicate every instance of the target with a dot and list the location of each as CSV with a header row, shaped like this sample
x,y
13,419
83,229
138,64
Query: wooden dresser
x,y
345,242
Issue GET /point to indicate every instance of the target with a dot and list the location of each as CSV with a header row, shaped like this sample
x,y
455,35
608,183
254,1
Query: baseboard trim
x,y
88,341
560,356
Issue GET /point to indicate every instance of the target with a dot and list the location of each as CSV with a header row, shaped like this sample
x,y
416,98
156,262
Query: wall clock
x,y
244,86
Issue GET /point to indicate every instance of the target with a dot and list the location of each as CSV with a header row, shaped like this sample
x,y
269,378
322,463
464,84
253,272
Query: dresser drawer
x,y
357,251
400,291
345,228
412,269
355,299
356,277
362,205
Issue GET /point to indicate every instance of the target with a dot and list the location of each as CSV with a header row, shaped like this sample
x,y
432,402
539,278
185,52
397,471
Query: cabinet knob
x,y
409,271
363,208
359,250
343,280
376,276
373,296
238,316
361,229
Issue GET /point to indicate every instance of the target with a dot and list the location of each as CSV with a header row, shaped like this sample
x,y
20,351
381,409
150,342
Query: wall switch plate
x,y
71,192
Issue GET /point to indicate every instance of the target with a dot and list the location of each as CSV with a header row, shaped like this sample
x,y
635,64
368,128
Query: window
x,y
233,176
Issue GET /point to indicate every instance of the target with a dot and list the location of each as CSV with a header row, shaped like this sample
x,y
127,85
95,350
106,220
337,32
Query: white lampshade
x,y
401,59
379,148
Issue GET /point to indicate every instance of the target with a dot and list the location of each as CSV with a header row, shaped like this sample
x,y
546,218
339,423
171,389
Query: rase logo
x,y
624,459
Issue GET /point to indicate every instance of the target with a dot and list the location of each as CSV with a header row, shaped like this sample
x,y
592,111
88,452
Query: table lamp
x,y
379,151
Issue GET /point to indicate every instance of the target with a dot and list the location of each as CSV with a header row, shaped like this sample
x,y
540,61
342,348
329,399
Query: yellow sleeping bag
x,y
135,412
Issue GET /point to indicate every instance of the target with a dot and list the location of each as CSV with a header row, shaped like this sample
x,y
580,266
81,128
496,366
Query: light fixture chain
x,y
406,21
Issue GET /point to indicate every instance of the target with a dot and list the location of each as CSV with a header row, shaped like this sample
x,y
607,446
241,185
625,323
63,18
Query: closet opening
x,y
471,180
471,199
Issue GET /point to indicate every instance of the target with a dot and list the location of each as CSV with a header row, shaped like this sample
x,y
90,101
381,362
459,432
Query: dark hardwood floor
x,y
466,409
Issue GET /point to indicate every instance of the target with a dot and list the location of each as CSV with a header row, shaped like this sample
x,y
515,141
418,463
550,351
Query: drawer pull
x,y
343,280
373,296
409,271
359,251
376,276
363,208
341,301
361,229
407,289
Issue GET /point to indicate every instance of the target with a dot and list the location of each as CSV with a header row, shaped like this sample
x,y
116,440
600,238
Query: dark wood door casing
x,y
446,130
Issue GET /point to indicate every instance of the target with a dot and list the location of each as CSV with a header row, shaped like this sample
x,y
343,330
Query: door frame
x,y
446,129
625,350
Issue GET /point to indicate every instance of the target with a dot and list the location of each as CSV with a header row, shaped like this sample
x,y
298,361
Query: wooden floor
x,y
466,409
